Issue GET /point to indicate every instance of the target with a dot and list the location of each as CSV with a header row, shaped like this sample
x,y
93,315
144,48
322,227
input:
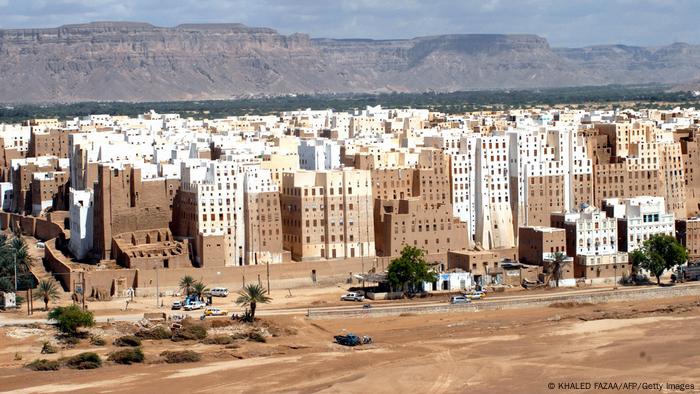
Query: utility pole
x,y
83,287
157,290
363,272
364,252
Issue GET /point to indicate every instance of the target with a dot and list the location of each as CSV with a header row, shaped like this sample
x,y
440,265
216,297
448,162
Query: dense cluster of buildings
x,y
475,191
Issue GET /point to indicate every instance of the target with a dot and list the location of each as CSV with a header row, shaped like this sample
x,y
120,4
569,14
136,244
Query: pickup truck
x,y
194,305
352,296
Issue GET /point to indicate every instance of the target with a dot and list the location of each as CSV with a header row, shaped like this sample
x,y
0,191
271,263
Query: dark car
x,y
352,340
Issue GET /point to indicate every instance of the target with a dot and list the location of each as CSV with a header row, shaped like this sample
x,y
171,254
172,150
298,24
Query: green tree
x,y
251,295
186,284
70,318
14,259
19,250
660,253
199,288
638,258
409,269
47,291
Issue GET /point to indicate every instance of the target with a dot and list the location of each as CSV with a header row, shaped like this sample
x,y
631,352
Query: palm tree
x,y
199,288
557,265
186,283
18,248
251,295
47,291
15,262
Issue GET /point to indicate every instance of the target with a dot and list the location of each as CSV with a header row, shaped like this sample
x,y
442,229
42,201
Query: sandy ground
x,y
496,351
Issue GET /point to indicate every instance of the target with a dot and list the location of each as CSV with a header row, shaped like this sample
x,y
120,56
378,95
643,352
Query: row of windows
x,y
297,191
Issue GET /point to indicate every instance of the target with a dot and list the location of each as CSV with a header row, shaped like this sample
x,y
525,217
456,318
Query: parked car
x,y
40,245
219,292
352,296
475,295
215,312
177,305
194,305
352,340
459,300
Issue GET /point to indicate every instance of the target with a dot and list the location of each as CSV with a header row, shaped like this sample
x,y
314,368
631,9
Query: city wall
x,y
39,228
282,276
626,294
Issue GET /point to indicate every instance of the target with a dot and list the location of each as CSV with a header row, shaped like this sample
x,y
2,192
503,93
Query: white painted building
x,y
451,281
596,233
543,152
218,188
494,217
258,180
81,226
6,196
595,241
319,154
639,218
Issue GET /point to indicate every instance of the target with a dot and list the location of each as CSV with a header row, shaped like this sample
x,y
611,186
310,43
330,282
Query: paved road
x,y
379,306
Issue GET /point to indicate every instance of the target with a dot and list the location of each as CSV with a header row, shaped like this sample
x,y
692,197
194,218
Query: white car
x,y
352,296
219,292
194,305
459,300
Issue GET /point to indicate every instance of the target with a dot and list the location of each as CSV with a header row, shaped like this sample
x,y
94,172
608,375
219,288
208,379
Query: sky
x,y
565,23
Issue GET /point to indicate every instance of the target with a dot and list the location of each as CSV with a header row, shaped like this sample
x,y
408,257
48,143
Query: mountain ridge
x,y
136,61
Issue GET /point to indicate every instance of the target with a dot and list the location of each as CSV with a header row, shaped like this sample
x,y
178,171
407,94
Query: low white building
x,y
451,281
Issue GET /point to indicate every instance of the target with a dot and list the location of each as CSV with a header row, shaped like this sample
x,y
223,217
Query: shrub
x,y
158,332
43,365
218,323
48,348
239,335
127,340
127,356
194,332
69,340
70,318
184,356
247,316
218,340
87,360
256,336
97,340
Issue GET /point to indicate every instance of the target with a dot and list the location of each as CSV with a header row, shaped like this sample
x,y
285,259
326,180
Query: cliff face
x,y
138,61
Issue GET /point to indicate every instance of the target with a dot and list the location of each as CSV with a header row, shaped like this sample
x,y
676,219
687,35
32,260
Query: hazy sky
x,y
563,22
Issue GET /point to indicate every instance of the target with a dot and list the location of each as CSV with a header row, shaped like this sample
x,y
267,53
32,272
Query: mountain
x,y
141,62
